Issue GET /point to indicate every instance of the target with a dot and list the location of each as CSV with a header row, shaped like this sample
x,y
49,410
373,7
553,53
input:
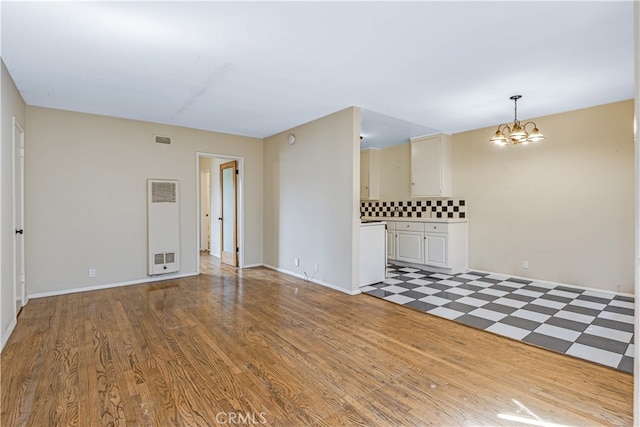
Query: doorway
x,y
19,283
213,163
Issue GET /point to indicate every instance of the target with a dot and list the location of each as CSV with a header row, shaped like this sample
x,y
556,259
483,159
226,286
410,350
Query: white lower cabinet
x,y
391,244
435,249
435,244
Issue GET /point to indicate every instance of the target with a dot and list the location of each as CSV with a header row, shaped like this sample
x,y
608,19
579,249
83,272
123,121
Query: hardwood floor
x,y
258,347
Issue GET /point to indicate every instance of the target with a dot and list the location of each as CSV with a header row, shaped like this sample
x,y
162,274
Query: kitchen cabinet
x,y
431,166
391,240
369,174
436,245
446,246
441,245
409,237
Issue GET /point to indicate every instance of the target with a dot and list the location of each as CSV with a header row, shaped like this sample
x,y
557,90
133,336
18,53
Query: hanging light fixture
x,y
516,134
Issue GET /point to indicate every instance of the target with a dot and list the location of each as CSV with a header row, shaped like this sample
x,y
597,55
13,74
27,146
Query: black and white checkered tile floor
x,y
596,326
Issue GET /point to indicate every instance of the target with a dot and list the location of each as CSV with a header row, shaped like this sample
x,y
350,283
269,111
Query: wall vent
x,y
163,139
163,226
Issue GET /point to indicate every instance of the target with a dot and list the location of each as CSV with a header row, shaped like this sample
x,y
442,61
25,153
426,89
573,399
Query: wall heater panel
x,y
163,226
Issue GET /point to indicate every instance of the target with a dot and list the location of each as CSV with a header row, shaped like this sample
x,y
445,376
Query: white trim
x,y
7,333
112,285
316,281
252,265
605,291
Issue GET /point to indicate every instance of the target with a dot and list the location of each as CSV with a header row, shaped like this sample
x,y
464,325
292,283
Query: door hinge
x,y
22,279
237,171
237,249
21,152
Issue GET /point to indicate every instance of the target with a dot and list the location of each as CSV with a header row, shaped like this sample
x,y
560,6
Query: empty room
x,y
319,213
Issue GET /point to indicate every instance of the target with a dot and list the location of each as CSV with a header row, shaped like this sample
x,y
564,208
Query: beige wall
x,y
311,199
565,204
86,198
12,105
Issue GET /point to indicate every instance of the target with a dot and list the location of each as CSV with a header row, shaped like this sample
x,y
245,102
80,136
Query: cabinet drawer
x,y
409,226
436,227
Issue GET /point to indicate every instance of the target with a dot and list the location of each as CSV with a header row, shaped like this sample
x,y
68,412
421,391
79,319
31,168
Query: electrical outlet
x,y
296,262
525,264
92,272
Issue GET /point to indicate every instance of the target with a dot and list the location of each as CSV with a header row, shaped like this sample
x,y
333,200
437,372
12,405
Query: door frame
x,y
18,137
205,173
240,199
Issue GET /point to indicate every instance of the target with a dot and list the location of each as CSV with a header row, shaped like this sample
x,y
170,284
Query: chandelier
x,y
516,133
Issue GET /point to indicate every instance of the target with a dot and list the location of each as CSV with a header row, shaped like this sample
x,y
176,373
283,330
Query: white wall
x,y
12,105
86,198
311,191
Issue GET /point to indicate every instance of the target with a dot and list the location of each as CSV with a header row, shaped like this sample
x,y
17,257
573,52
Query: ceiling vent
x,y
163,140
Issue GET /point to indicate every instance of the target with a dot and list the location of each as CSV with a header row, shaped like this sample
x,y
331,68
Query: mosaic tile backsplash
x,y
451,208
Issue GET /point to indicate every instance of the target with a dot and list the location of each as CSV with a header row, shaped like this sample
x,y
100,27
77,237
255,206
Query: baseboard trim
x,y
605,291
110,285
7,333
310,279
253,265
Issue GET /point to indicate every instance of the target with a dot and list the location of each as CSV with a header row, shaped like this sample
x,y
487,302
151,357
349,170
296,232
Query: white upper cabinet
x,y
369,174
431,166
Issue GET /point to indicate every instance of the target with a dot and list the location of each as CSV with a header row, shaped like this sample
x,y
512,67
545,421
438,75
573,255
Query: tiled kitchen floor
x,y
596,326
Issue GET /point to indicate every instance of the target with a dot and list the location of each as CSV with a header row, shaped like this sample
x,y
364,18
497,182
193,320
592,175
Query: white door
x,y
229,217
18,217
409,247
391,244
205,210
435,250
426,167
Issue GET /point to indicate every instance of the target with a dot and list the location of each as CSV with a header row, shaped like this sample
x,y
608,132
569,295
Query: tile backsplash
x,y
436,208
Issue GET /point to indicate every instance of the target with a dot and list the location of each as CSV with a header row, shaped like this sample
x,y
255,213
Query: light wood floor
x,y
260,347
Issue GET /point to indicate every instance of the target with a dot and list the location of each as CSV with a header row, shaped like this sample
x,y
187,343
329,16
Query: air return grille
x,y
163,139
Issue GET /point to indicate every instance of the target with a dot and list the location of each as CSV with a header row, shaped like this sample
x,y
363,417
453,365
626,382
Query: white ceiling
x,y
259,68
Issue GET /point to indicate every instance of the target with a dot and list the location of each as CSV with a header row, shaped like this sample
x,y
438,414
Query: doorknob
x,y
19,231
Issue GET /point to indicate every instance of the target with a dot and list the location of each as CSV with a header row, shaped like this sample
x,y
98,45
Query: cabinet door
x,y
364,174
391,245
435,249
410,247
431,166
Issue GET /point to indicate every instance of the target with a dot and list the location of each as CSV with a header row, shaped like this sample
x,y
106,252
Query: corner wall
x,y
311,200
86,197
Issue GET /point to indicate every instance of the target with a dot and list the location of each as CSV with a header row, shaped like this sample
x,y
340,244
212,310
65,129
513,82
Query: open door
x,y
229,216
18,218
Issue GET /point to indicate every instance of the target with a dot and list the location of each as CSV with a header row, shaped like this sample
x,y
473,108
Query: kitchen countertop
x,y
373,222
395,219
